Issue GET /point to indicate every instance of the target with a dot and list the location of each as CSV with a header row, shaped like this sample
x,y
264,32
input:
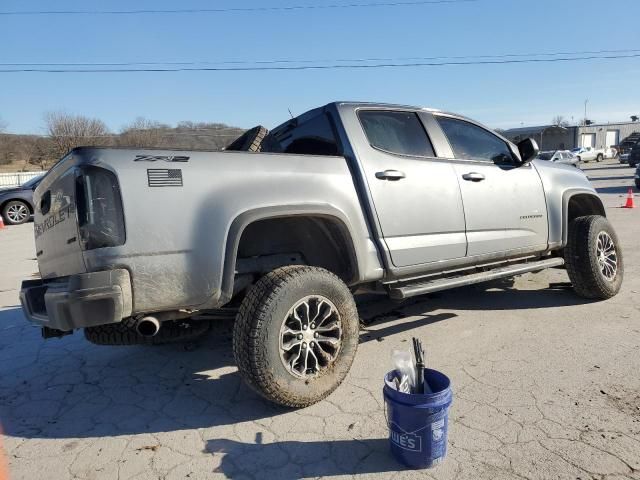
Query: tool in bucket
x,y
417,401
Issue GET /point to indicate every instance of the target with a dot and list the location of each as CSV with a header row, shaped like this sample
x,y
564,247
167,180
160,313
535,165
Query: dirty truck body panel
x,y
409,195
177,236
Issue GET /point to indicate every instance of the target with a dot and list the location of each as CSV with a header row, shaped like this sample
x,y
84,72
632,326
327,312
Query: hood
x,y
4,190
561,175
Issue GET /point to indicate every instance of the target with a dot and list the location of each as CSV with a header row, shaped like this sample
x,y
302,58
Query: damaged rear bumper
x,y
78,301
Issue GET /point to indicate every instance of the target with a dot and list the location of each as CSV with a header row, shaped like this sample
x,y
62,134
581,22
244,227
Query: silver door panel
x,y
505,211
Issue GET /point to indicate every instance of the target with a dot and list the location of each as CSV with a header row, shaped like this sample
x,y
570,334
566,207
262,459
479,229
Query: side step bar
x,y
414,289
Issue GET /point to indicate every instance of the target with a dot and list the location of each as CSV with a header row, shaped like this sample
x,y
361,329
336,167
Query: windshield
x,y
33,182
545,155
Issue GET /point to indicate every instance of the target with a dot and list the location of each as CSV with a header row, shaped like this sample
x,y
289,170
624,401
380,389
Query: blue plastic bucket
x,y
418,423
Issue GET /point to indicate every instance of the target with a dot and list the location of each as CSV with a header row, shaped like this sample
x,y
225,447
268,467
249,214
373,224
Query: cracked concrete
x,y
546,386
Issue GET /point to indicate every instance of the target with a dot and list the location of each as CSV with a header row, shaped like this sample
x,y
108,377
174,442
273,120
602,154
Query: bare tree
x,y
68,131
3,125
38,152
559,121
142,133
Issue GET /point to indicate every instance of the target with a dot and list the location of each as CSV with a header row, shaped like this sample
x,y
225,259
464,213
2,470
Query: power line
x,y
320,67
235,9
317,61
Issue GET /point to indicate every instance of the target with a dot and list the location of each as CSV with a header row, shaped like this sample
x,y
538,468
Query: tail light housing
x,y
99,207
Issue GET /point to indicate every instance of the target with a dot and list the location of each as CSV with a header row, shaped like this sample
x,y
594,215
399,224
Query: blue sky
x,y
498,95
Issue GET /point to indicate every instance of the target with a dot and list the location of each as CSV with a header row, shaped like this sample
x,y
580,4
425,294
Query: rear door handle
x,y
391,175
473,177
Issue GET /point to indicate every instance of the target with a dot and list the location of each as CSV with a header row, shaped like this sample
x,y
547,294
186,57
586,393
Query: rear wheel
x,y
593,258
296,335
16,212
599,158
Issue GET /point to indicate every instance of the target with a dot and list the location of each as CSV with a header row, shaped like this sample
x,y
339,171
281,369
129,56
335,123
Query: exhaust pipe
x,y
148,326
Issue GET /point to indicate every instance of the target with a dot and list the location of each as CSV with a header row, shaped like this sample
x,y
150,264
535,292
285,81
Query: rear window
x,y
313,137
100,213
396,132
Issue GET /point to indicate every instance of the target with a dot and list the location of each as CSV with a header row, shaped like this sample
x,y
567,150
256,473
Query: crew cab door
x,y
415,195
504,205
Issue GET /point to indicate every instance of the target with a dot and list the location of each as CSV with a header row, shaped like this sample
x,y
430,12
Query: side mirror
x,y
528,149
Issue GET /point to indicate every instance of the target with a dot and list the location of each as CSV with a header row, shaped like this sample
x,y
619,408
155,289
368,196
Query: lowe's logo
x,y
406,441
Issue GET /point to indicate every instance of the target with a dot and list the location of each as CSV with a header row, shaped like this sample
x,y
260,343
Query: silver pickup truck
x,y
147,246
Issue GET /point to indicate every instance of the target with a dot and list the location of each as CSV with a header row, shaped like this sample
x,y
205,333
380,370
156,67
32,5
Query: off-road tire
x,y
124,333
10,204
256,335
581,259
249,141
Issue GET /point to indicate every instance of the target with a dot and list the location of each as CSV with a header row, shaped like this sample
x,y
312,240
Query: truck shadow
x,y
291,460
69,388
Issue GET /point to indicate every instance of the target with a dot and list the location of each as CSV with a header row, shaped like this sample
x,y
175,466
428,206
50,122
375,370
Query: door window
x,y
470,142
396,132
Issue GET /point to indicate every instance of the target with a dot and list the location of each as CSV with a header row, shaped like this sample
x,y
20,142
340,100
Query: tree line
x,y
65,132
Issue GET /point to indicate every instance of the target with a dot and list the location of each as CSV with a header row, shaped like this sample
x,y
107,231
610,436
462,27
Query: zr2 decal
x,y
161,158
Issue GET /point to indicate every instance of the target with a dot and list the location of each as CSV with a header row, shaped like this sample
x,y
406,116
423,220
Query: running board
x,y
414,289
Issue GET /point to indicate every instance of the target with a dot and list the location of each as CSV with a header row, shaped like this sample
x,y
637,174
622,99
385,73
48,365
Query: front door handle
x,y
391,175
473,177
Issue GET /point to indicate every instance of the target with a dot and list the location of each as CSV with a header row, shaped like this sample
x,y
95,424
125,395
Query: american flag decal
x,y
164,177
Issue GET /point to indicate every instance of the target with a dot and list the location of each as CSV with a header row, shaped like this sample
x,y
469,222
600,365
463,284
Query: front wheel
x,y
593,258
296,335
16,212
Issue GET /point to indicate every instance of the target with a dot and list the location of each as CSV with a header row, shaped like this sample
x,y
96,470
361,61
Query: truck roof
x,y
392,106
355,104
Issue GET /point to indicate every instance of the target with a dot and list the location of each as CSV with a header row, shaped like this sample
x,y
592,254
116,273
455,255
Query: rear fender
x,y
242,221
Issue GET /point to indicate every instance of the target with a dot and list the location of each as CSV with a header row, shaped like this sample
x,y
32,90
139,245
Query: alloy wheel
x,y
310,336
17,213
607,256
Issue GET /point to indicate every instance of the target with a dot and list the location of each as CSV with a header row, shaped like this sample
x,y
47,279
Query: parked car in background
x,y
16,204
637,179
610,152
559,156
586,154
625,147
634,156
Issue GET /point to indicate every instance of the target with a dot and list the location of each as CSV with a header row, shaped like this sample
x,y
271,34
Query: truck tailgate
x,y
55,224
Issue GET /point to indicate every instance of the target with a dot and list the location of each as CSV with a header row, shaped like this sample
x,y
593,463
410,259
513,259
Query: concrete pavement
x,y
546,386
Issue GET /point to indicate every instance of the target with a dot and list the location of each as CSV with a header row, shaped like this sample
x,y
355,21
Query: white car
x,y
586,154
559,156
